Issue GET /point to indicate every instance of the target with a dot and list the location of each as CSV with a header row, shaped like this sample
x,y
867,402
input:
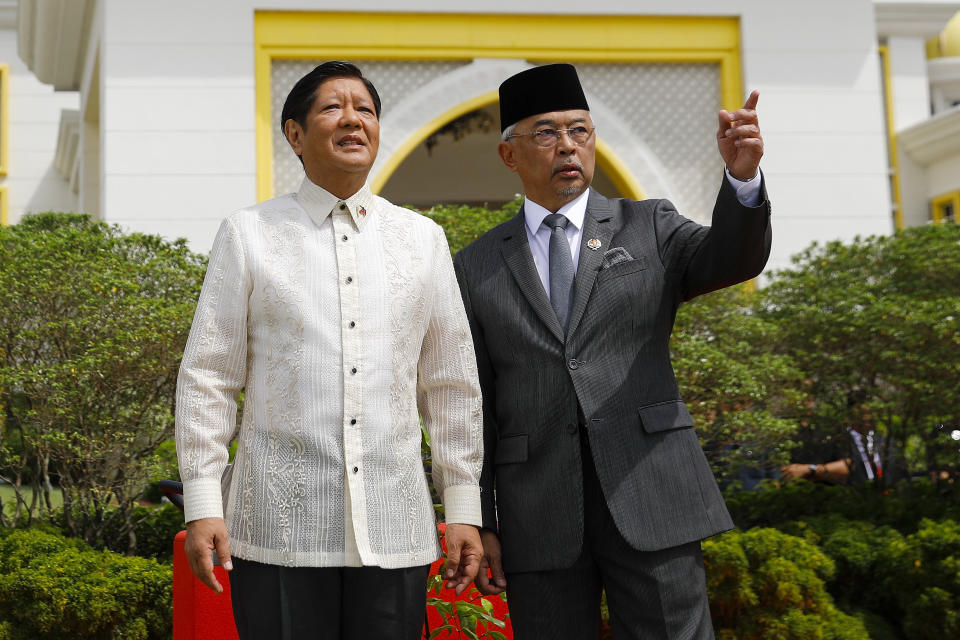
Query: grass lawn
x,y
9,500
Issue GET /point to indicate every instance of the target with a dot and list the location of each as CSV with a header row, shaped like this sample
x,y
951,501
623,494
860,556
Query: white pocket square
x,y
615,256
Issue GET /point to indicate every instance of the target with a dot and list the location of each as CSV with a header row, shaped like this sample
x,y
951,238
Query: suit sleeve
x,y
487,484
448,394
733,249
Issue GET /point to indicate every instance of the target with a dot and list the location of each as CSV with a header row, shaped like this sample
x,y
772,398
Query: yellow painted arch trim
x,y
618,172
447,36
4,215
421,134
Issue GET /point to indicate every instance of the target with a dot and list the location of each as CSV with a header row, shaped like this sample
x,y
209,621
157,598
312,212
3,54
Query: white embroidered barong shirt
x,y
340,320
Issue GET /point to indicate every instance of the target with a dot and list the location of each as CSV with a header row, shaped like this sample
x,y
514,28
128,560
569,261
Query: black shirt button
x,y
355,469
353,421
344,238
352,324
342,206
354,370
349,279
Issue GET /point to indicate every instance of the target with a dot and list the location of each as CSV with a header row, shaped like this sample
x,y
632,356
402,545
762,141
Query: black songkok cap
x,y
554,87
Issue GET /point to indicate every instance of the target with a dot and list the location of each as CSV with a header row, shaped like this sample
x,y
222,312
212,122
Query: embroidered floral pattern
x,y
408,309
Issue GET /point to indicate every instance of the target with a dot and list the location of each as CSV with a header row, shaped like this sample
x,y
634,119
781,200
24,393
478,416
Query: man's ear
x,y
506,151
294,133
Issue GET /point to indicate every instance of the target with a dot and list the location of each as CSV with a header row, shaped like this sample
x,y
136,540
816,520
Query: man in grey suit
x,y
593,477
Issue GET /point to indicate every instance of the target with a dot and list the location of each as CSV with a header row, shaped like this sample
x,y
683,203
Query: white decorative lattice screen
x,y
671,107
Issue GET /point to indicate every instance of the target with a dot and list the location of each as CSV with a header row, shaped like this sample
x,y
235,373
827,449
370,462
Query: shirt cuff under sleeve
x,y
461,504
748,193
202,499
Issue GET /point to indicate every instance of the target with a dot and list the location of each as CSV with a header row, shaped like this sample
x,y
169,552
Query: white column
x,y
908,75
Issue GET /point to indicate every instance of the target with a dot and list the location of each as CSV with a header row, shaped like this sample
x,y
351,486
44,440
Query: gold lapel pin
x,y
593,243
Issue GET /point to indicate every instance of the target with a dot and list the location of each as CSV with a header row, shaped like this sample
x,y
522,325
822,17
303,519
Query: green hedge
x,y
763,583
909,582
922,573
53,587
153,525
766,585
901,506
155,529
895,566
463,224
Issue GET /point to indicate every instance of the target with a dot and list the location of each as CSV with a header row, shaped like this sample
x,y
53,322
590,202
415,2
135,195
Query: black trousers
x,y
271,602
653,595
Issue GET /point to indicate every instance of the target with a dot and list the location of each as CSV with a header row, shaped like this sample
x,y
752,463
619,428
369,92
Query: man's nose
x,y
565,143
349,117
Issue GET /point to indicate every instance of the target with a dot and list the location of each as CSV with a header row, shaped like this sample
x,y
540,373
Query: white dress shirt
x,y
538,236
340,320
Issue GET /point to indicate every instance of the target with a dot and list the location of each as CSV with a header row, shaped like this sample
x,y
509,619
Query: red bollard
x,y
198,612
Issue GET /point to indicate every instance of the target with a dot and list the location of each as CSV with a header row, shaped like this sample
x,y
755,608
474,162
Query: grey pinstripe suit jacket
x,y
614,364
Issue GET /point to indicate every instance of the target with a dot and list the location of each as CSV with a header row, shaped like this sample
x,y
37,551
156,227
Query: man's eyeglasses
x,y
547,137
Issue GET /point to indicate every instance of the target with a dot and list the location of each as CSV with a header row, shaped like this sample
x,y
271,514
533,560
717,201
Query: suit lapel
x,y
516,253
597,225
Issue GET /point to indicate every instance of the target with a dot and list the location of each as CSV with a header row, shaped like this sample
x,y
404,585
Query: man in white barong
x,y
339,316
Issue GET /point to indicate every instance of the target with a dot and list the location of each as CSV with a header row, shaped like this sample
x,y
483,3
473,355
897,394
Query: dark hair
x,y
303,94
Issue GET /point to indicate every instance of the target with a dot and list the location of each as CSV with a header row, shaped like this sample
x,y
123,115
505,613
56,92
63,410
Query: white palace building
x,y
163,116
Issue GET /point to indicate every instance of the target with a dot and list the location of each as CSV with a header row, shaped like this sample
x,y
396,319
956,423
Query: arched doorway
x,y
457,163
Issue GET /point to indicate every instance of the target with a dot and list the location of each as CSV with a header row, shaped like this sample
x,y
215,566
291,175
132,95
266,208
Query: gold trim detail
x,y
940,203
4,119
884,52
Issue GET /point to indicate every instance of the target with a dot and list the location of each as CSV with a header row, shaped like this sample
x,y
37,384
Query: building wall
x,y
178,113
32,183
944,176
914,193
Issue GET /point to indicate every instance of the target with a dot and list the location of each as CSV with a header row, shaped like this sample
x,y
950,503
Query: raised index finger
x,y
751,102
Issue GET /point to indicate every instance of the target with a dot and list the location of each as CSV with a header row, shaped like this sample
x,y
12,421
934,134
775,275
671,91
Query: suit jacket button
x,y
574,363
572,429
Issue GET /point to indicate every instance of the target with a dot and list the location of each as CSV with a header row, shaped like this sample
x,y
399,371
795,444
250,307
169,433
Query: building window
x,y
945,208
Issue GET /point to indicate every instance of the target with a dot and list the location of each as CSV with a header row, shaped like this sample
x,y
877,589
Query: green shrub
x,y
93,322
908,582
923,574
861,552
464,224
59,588
164,468
901,506
766,585
154,528
873,324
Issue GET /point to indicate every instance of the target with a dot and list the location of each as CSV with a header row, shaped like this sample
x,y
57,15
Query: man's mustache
x,y
567,165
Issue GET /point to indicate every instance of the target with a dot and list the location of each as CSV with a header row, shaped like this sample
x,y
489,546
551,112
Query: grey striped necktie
x,y
561,268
